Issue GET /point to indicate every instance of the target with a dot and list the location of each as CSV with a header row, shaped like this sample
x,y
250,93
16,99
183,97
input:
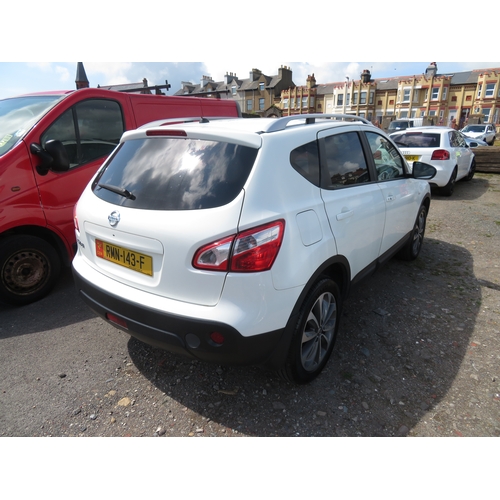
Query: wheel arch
x,y
45,234
336,268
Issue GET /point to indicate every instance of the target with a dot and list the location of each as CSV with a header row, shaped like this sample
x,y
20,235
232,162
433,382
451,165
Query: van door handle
x,y
345,214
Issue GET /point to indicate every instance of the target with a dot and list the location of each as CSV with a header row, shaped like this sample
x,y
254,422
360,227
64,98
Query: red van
x,y
51,144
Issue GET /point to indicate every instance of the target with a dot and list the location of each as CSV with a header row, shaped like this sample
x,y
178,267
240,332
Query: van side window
x,y
343,157
89,130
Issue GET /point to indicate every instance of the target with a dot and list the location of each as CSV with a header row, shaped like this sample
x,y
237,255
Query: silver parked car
x,y
485,132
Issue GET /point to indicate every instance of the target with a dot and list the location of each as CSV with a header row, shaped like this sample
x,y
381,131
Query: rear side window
x,y
418,140
344,161
305,161
174,174
89,130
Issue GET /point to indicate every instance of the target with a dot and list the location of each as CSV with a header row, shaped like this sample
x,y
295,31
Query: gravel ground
x,y
417,355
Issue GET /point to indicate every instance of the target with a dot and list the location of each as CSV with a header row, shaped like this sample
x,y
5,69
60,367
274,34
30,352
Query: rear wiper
x,y
118,190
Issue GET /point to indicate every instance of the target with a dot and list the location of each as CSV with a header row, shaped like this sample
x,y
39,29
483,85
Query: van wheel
x,y
412,248
29,268
450,187
315,333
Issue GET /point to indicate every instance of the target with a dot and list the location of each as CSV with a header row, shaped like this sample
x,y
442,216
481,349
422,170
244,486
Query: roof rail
x,y
281,123
187,119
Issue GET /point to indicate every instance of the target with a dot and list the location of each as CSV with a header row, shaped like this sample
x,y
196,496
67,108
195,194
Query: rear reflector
x,y
116,320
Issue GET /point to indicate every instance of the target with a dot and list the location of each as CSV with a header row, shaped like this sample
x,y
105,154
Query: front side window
x,y
388,162
343,161
163,173
89,130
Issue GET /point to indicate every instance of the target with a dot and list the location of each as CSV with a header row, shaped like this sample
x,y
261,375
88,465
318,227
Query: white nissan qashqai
x,y
237,240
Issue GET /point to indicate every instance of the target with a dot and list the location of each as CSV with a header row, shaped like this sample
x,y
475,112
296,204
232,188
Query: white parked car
x,y
485,132
442,147
237,241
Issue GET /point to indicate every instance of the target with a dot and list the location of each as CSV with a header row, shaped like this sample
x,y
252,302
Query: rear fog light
x,y
217,338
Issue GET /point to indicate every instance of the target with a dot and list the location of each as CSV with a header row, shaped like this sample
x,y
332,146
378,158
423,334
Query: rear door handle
x,y
345,215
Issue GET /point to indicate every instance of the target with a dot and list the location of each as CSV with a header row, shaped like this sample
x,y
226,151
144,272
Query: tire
x,y
412,248
29,268
450,187
314,334
472,171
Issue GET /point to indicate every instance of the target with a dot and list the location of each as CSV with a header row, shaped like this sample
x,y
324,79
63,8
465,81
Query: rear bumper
x,y
178,334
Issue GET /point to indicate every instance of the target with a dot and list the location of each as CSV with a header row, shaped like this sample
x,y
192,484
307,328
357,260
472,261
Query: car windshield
x,y
19,114
418,140
474,128
174,174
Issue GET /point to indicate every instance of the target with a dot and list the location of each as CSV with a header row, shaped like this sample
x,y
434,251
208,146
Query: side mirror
x,y
54,157
423,170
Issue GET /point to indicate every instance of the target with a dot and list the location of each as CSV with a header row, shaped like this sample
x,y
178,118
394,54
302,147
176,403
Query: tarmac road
x,y
418,354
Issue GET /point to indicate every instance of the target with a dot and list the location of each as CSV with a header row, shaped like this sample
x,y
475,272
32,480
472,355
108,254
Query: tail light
x,y
251,251
75,219
440,154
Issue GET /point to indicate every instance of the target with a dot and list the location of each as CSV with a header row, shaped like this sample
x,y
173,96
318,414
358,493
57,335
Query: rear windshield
x,y
418,140
174,174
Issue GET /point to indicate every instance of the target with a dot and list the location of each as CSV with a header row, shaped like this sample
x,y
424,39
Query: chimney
x,y
431,70
81,80
229,77
255,74
311,81
205,80
366,76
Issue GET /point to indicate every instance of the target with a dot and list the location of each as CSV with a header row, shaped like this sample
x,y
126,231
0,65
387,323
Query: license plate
x,y
412,158
124,257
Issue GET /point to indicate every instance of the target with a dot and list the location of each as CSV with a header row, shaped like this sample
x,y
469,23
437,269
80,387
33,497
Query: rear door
x,y
353,201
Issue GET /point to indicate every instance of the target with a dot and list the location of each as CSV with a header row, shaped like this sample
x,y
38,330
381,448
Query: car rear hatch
x,y
158,200
417,146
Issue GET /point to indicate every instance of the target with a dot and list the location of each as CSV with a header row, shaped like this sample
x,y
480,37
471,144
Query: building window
x,y
355,98
285,103
261,104
362,98
415,95
486,114
304,102
311,101
406,95
372,96
468,98
261,86
347,99
490,90
233,89
292,103
249,105
435,94
445,93
340,99
480,87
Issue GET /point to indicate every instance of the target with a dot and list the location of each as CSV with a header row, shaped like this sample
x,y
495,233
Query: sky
x,y
175,43
23,77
